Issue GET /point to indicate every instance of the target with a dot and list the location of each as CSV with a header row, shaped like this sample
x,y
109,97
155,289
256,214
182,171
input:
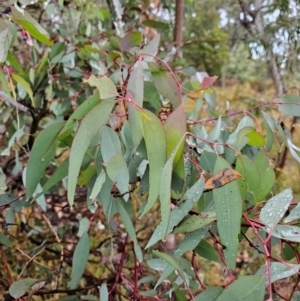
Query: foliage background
x,y
98,248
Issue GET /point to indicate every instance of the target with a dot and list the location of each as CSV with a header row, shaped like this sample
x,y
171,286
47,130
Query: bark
x,y
178,29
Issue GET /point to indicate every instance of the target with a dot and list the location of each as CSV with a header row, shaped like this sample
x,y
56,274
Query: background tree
x,y
206,44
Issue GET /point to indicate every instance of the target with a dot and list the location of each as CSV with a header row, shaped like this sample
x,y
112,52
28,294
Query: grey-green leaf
x,y
211,294
294,214
165,84
180,211
41,154
103,292
110,144
155,140
88,129
279,271
273,211
248,288
228,204
195,222
20,287
80,258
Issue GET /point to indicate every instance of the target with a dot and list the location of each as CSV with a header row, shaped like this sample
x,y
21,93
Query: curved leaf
x,y
131,39
41,154
20,287
135,91
274,210
245,288
88,129
180,211
79,261
165,84
105,86
155,140
79,113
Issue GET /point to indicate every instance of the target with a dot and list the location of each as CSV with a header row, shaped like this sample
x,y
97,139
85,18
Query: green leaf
x,y
205,250
211,294
186,203
189,243
11,58
255,139
275,208
4,241
170,260
250,181
151,49
118,172
5,40
151,97
60,173
290,105
90,126
233,138
135,91
24,19
293,215
175,128
165,84
288,252
131,39
86,175
135,87
215,134
57,52
269,126
12,141
165,189
20,287
41,154
208,161
78,114
84,225
285,232
155,140
156,24
228,203
33,31
127,221
244,289
98,184
105,86
79,261
248,135
3,185
267,176
211,100
20,80
278,271
110,144
195,222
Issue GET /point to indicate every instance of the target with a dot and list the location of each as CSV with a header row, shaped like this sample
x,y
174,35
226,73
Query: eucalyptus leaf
x,y
88,129
79,261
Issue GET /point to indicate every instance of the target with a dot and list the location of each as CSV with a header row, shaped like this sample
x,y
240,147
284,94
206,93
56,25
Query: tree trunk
x,y
178,29
271,58
253,22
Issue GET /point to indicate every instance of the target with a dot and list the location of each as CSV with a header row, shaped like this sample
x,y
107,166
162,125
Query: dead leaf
x,y
221,178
